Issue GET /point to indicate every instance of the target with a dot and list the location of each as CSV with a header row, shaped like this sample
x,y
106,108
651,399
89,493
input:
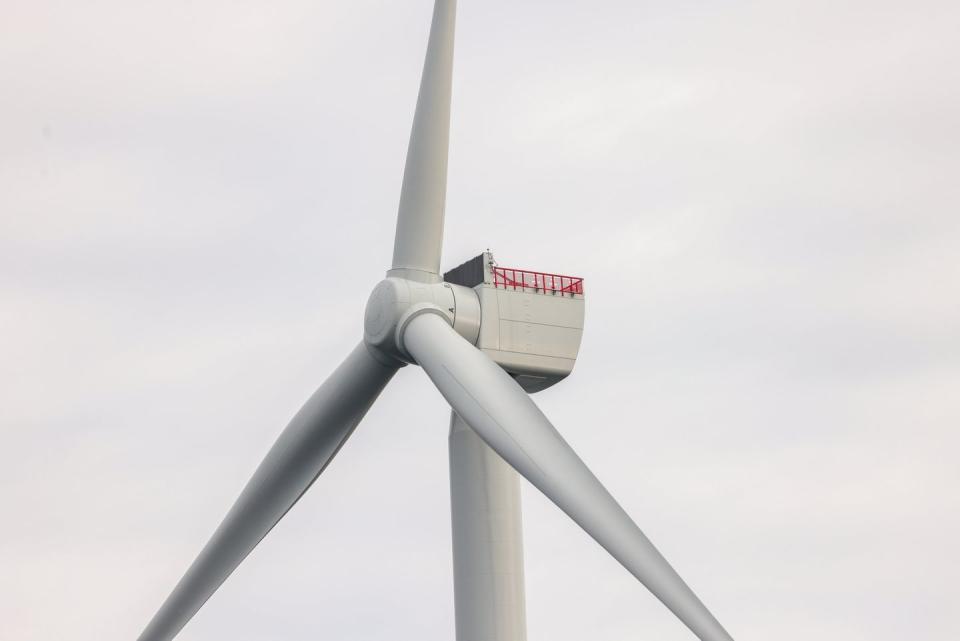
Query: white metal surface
x,y
508,420
487,540
533,336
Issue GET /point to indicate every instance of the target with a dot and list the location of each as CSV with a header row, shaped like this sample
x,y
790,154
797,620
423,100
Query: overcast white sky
x,y
197,197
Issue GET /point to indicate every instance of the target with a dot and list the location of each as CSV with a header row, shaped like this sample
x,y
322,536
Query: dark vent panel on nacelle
x,y
469,274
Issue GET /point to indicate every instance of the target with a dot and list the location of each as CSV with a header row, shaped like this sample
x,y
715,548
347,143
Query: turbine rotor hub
x,y
394,302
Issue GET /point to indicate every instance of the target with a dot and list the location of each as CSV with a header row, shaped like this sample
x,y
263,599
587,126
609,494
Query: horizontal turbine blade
x,y
419,237
504,416
291,466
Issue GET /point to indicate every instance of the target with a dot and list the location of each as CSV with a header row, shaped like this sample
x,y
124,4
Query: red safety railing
x,y
509,278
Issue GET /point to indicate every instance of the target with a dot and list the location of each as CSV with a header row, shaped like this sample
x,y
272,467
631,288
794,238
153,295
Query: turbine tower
x,y
487,336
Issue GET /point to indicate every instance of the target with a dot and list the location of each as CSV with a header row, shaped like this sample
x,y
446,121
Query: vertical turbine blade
x,y
300,454
419,236
504,416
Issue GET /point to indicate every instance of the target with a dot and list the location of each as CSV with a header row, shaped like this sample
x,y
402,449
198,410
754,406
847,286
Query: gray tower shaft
x,y
487,540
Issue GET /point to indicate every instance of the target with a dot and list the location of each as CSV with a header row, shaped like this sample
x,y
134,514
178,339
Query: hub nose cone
x,y
384,307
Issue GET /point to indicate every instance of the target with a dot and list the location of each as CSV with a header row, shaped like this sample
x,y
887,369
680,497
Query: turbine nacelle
x,y
529,323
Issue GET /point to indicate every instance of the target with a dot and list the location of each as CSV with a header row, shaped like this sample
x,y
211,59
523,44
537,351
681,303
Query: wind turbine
x,y
486,336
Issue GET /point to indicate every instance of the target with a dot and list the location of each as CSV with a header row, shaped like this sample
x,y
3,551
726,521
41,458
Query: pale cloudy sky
x,y
197,197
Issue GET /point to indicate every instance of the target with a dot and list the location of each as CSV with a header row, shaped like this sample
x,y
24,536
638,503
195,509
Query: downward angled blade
x,y
419,236
297,458
498,409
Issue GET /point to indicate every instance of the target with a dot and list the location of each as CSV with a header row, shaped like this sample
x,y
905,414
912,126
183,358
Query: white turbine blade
x,y
297,458
504,416
419,236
